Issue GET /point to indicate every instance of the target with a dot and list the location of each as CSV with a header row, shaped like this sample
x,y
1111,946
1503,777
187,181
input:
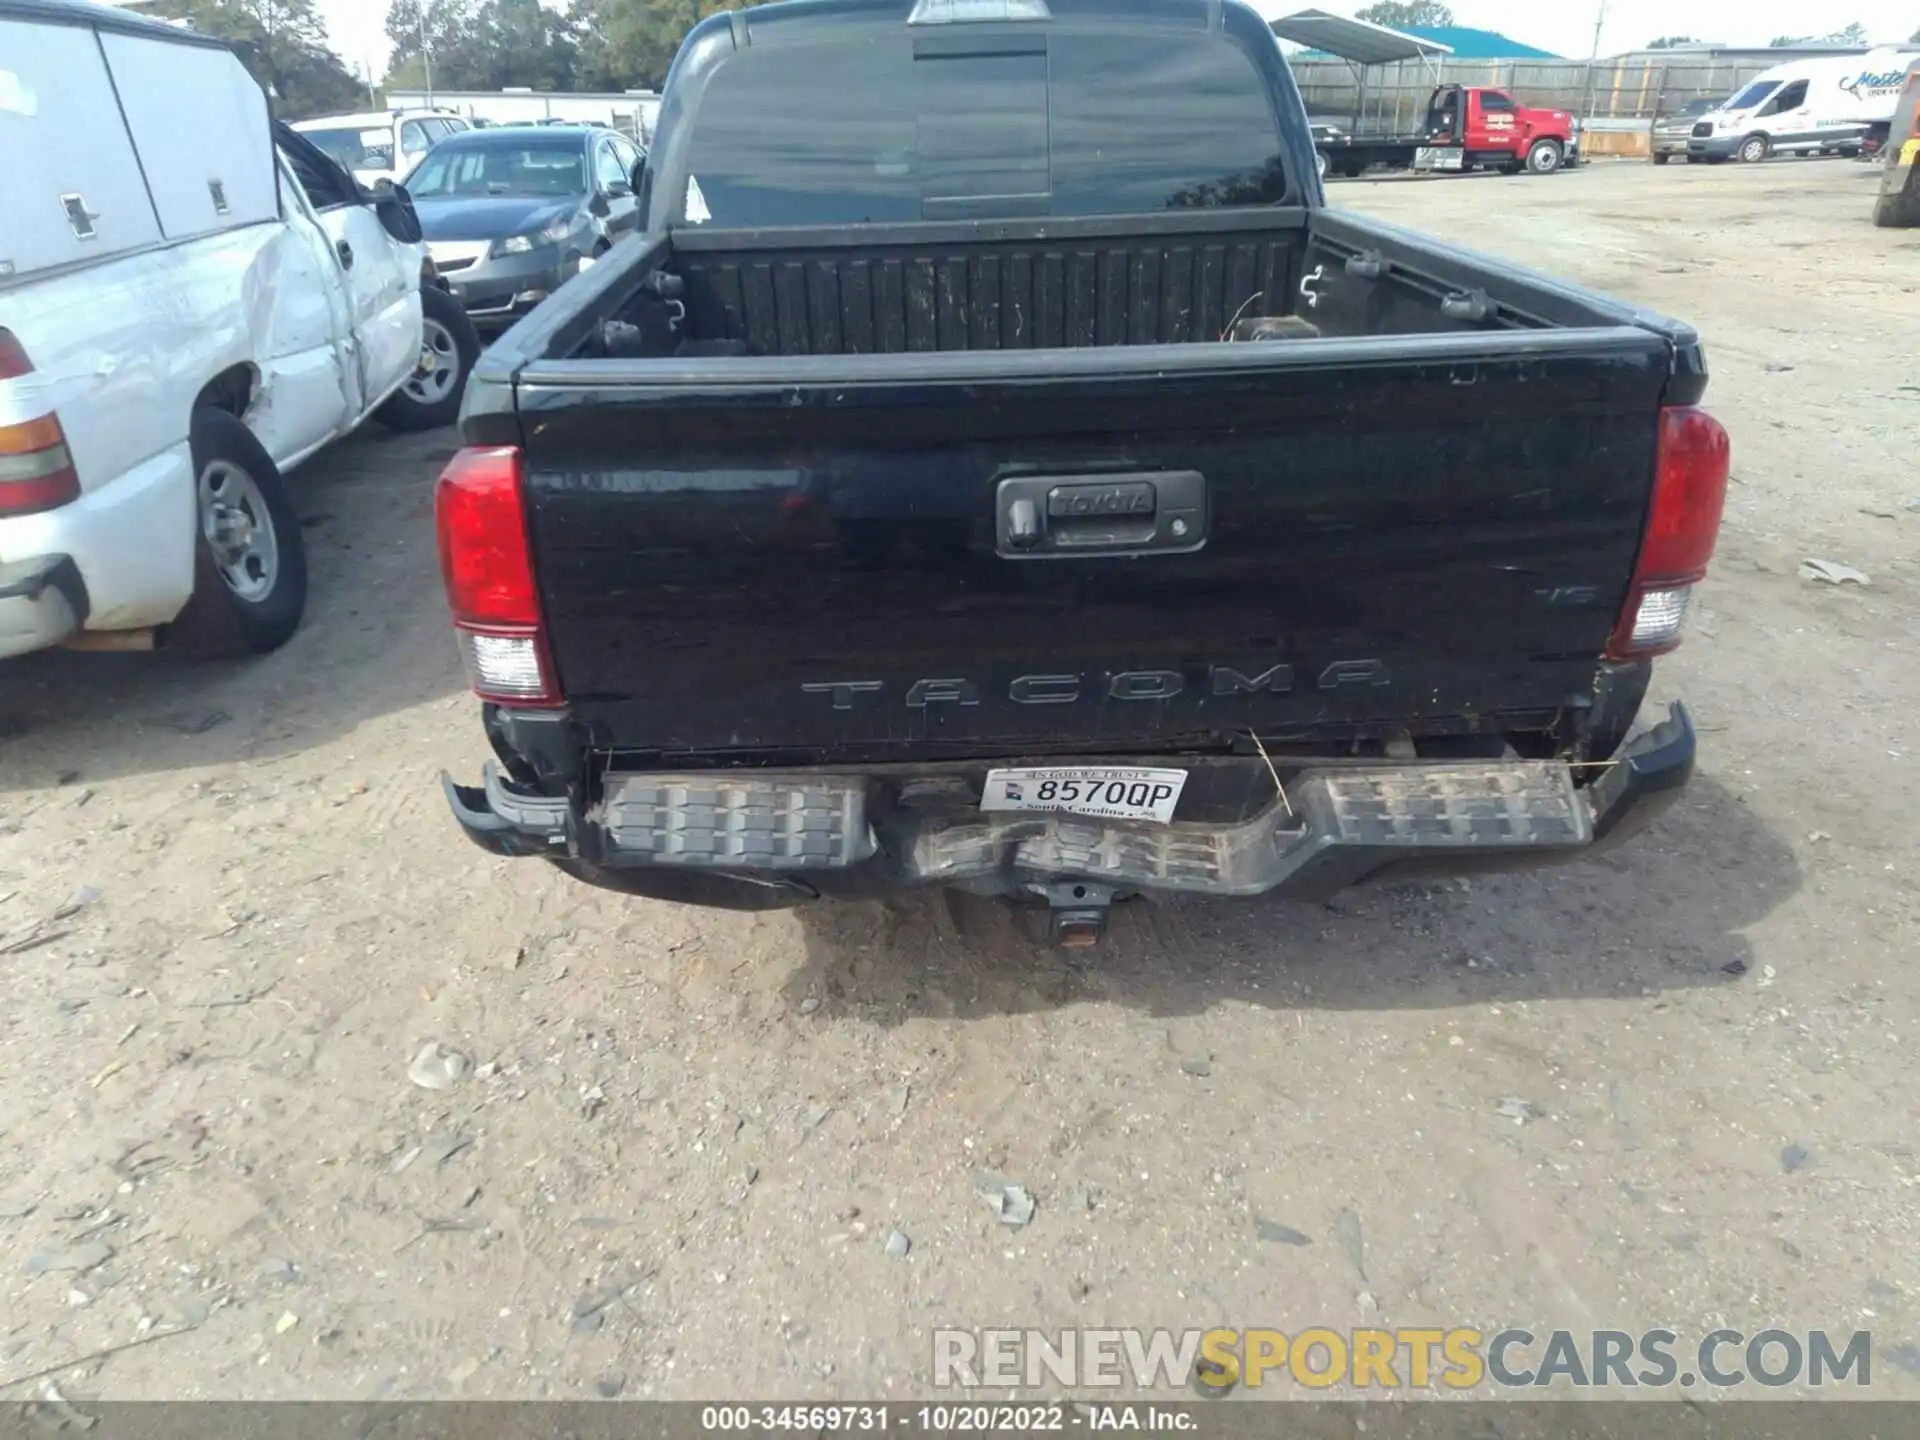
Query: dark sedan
x,y
511,213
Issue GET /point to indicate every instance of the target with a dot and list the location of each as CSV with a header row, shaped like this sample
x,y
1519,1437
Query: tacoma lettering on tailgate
x,y
1222,680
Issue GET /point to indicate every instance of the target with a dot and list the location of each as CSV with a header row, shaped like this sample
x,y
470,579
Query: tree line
x,y
489,44
1854,34
469,45
283,44
1402,14
591,45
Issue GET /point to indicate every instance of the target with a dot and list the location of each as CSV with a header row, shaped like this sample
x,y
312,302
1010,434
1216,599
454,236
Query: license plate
x,y
1429,157
1109,792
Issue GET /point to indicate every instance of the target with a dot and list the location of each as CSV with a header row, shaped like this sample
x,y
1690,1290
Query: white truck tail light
x,y
480,515
36,468
1683,521
505,667
1658,619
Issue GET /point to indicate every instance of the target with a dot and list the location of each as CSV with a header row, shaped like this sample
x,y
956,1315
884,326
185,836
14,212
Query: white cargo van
x,y
1834,105
186,310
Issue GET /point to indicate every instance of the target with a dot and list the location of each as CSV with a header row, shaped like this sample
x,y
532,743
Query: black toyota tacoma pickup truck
x,y
995,467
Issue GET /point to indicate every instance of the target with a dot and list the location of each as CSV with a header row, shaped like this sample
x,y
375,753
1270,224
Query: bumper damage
x,y
764,838
498,290
42,601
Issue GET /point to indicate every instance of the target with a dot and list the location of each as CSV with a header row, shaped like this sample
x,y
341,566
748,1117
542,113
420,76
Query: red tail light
x,y
1683,521
36,468
487,563
13,357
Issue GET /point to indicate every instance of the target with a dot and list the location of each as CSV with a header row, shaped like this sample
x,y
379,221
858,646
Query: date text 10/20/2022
x,y
963,1418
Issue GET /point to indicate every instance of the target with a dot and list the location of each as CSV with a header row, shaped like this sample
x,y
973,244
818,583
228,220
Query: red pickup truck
x,y
1468,127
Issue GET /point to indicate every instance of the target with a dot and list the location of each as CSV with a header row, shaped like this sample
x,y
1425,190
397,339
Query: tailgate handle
x,y
1058,516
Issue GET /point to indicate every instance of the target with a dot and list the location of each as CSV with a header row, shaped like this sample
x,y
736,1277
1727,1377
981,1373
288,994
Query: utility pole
x,y
426,51
266,21
1599,24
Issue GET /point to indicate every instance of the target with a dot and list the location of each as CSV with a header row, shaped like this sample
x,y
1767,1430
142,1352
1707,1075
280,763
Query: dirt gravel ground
x,y
689,1134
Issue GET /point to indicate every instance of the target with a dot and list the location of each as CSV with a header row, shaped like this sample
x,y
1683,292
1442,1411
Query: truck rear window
x,y
1052,124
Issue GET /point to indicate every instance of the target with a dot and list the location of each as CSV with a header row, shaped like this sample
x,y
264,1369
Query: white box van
x,y
186,310
1834,105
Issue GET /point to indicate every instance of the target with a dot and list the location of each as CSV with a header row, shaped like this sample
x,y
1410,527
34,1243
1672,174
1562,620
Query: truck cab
x,y
1476,127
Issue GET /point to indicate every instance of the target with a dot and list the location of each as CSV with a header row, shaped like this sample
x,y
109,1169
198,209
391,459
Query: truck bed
x,y
1175,279
1423,517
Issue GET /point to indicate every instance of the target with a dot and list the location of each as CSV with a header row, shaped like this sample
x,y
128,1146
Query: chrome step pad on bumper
x,y
819,823
767,822
1528,806
1514,803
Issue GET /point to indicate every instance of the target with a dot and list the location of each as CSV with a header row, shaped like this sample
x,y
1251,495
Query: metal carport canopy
x,y
1359,41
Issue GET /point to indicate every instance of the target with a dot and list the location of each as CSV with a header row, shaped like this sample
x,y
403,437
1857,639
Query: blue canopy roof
x,y
1327,35
1470,44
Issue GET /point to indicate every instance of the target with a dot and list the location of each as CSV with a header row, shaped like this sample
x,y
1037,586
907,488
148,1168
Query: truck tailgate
x,y
1422,533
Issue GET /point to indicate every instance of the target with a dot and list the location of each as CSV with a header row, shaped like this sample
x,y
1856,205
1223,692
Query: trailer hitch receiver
x,y
1078,911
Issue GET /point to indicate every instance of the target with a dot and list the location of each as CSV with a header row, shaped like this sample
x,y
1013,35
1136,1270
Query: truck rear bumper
x,y
765,838
42,602
118,558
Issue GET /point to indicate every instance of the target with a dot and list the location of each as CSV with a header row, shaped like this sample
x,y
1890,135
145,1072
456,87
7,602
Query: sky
x,y
358,27
358,30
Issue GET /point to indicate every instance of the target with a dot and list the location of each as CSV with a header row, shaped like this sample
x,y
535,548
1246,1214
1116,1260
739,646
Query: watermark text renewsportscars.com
x,y
1458,1359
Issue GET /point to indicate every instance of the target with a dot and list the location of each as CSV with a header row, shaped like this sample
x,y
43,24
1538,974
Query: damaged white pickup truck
x,y
192,301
